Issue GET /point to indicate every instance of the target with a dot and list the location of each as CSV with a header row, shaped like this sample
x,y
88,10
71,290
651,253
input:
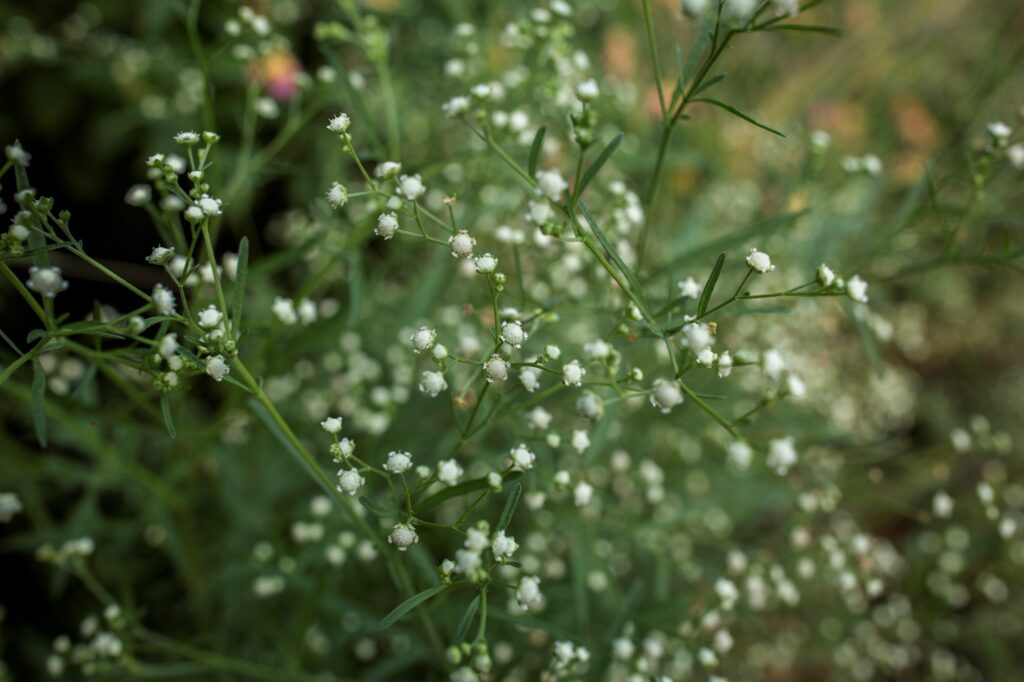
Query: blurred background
x,y
92,89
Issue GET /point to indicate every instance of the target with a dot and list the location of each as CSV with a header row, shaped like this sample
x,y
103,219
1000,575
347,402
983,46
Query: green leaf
x,y
39,401
709,83
268,420
634,283
535,148
736,112
595,167
375,509
165,407
408,605
238,293
709,287
467,619
459,490
827,30
699,46
510,507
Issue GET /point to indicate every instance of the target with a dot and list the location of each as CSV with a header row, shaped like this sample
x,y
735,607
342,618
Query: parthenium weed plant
x,y
492,413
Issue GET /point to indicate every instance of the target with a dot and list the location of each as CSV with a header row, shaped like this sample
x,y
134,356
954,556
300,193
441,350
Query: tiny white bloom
x,y
551,184
331,425
423,339
706,357
462,244
528,593
210,317
496,368
398,462
284,310
582,494
217,368
580,440
349,481
387,225
587,90
759,261
163,300
209,206
666,395
825,276
46,281
337,195
857,289
339,123
530,378
999,131
724,364
403,536
503,546
449,472
485,264
187,138
782,455
521,457
456,106
689,288
573,373
432,383
410,187
513,334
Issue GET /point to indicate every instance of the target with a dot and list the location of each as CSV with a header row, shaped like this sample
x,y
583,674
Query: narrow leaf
x,y
39,401
165,407
459,490
375,509
510,506
238,293
709,83
408,605
709,287
535,148
467,619
700,45
827,30
634,283
736,112
595,167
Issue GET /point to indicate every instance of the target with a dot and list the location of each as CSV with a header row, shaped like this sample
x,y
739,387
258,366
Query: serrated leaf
x,y
595,167
39,401
510,507
467,619
709,286
535,149
408,605
165,407
736,112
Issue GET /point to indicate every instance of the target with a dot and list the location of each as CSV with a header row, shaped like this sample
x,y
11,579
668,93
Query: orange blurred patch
x,y
916,126
619,52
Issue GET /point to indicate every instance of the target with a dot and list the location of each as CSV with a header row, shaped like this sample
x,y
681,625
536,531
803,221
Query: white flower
x,y
689,288
871,164
481,91
773,364
539,418
187,138
398,462
496,368
825,276
551,184
1015,154
16,154
666,395
528,593
456,106
694,8
337,195
739,454
580,440
168,345
193,214
448,471
160,255
10,505
307,311
706,357
411,187
284,310
387,169
210,317
999,131
796,386
539,212
217,368
573,373
697,335
208,205
521,458
781,455
530,378
349,481
942,505
727,593
857,289
339,123
503,546
552,351
513,334
485,264
724,364
423,339
432,383
440,352
587,90
163,300
462,244
138,195
759,261
582,494
403,536
466,561
46,281
331,425
387,225
787,7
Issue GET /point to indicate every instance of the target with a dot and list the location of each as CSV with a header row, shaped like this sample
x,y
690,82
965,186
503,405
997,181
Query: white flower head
x,y
999,131
513,333
210,317
496,368
462,244
588,90
432,383
339,124
456,106
349,481
187,138
46,281
331,425
528,593
410,187
423,339
387,225
337,195
216,368
759,261
503,546
857,289
782,455
398,462
666,395
573,373
485,264
403,536
449,472
689,288
521,458
551,184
